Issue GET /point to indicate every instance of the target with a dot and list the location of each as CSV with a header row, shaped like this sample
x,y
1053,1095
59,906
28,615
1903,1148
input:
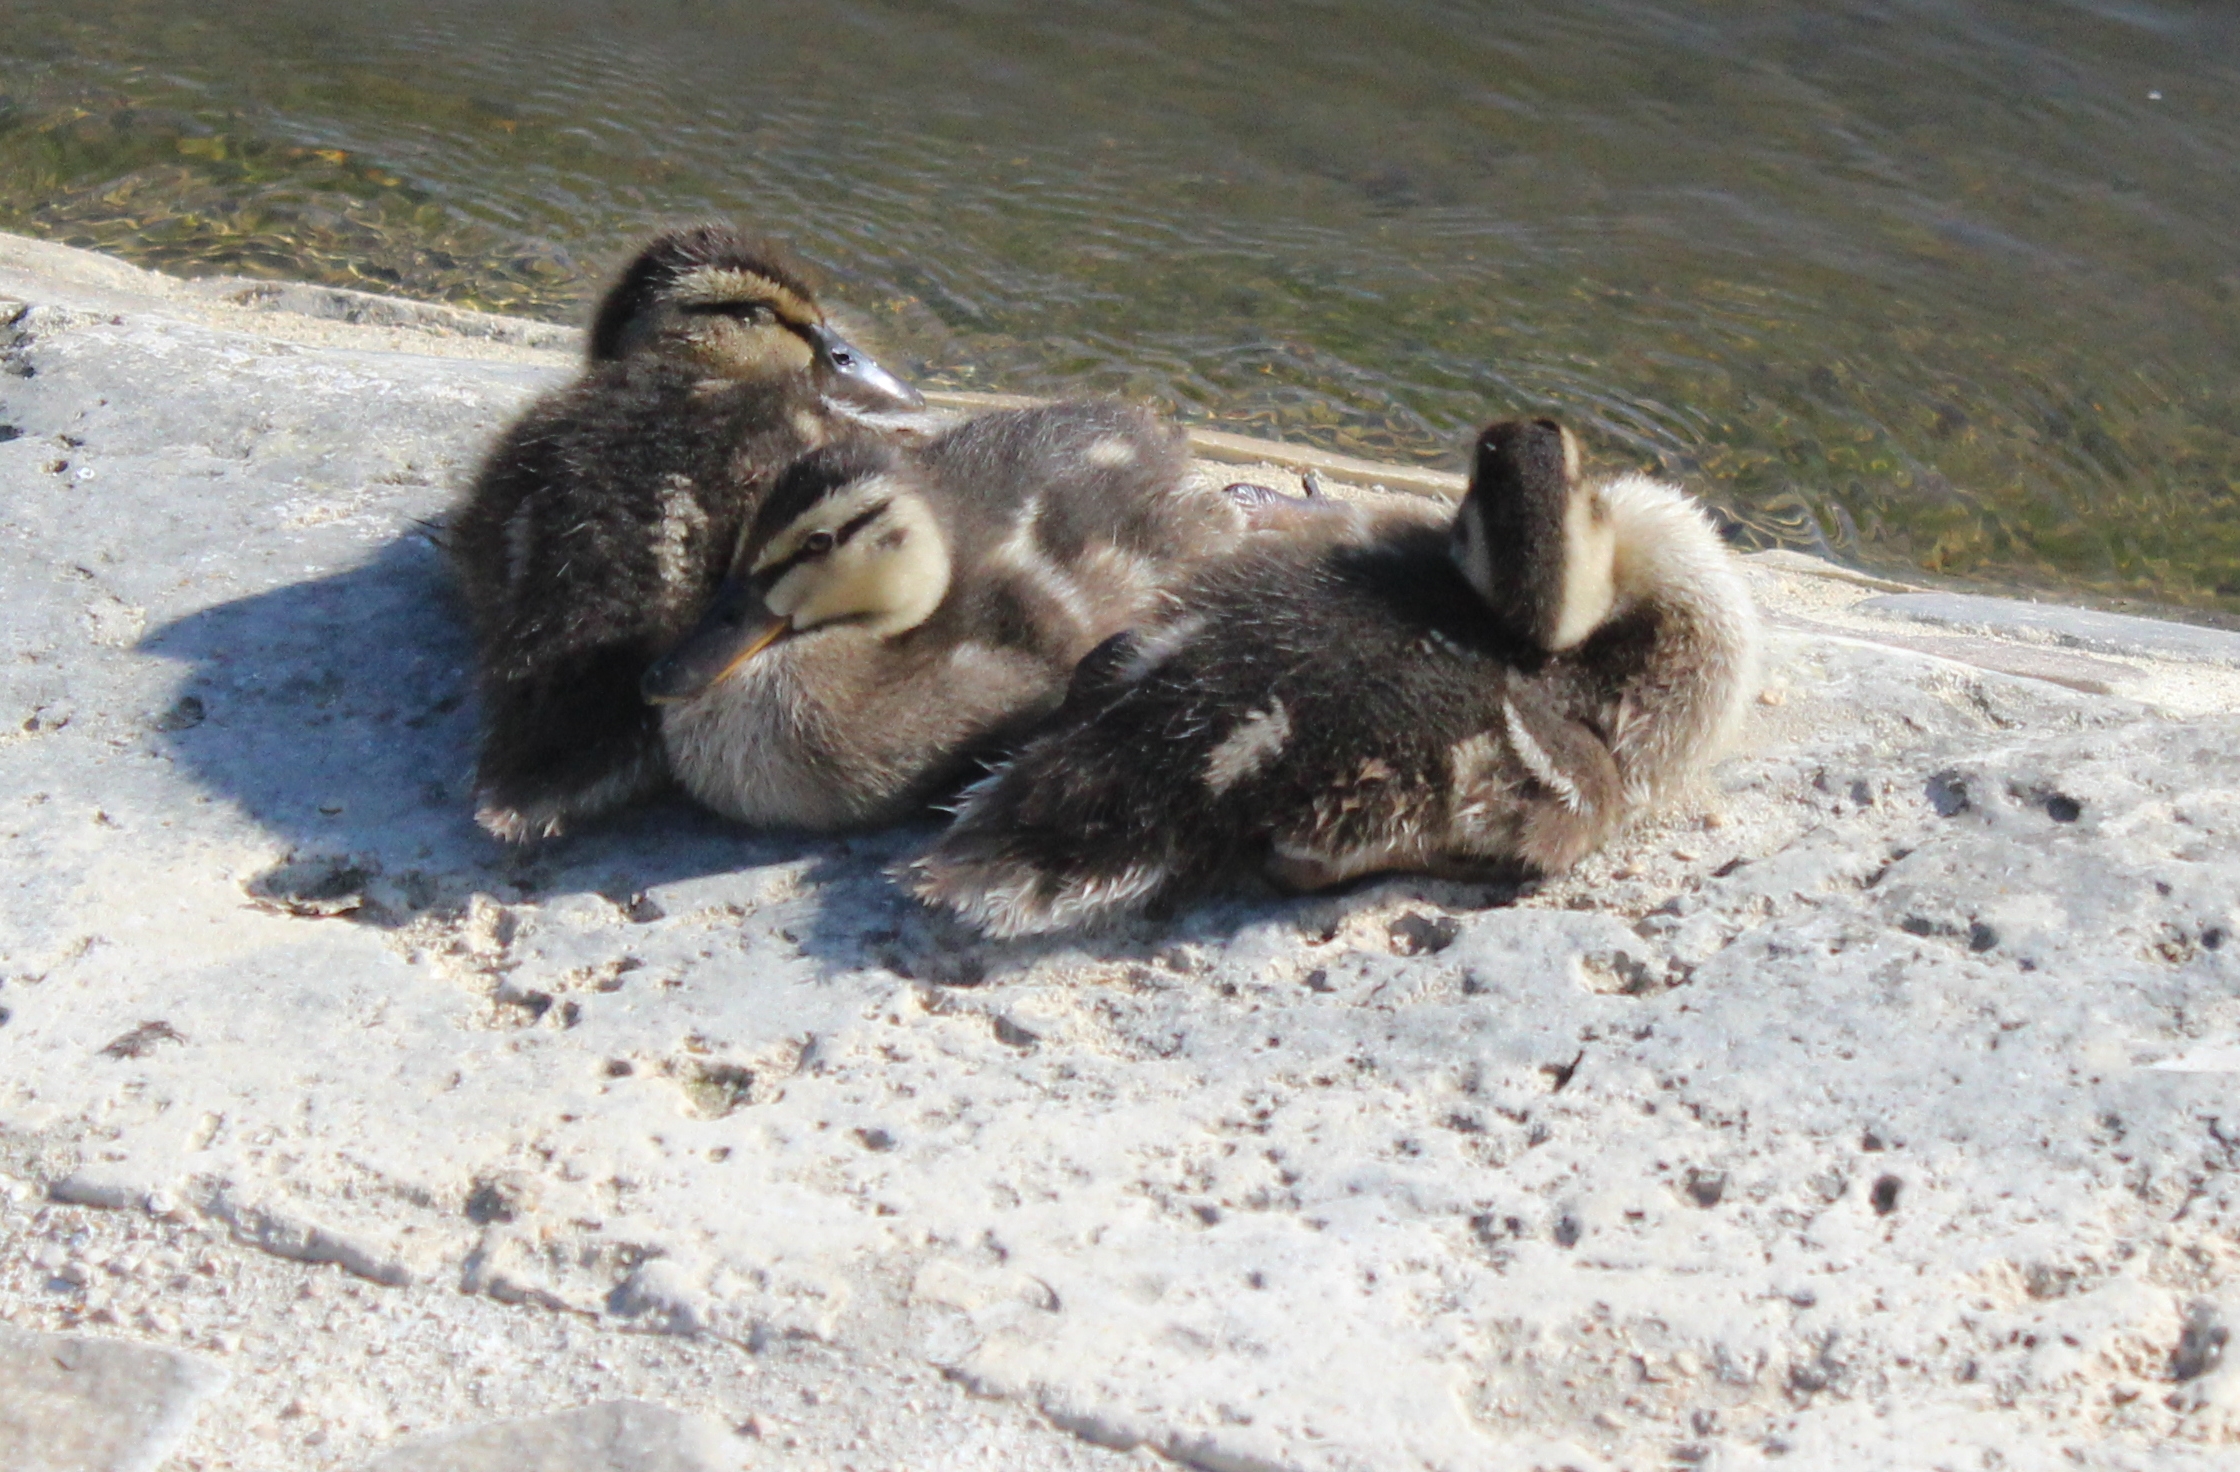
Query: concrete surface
x,y
75,1403
1874,1108
612,1436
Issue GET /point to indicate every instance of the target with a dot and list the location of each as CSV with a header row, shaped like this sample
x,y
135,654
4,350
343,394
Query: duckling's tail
x,y
1046,843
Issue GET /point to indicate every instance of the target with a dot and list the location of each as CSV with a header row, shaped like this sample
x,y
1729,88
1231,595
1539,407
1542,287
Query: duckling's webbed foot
x,y
558,751
1268,509
1250,494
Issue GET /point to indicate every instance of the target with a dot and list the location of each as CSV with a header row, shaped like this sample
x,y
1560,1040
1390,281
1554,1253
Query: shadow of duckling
x,y
338,714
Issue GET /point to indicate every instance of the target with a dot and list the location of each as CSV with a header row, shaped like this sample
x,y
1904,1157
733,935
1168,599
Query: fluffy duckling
x,y
603,520
1494,695
892,614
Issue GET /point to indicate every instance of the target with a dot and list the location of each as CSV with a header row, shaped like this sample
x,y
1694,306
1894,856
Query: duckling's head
x,y
734,306
845,538
1538,545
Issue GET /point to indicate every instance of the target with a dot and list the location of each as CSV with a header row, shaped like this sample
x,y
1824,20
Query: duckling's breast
x,y
837,729
758,748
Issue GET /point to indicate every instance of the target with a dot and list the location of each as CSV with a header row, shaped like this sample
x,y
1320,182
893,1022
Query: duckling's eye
x,y
816,544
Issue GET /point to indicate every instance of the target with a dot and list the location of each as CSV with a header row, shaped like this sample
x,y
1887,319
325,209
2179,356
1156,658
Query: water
x,y
1929,285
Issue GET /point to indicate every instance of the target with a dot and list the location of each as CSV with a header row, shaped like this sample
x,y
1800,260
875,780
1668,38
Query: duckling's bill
x,y
856,377
739,626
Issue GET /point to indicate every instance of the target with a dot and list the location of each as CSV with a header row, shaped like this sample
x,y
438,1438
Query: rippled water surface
x,y
1933,284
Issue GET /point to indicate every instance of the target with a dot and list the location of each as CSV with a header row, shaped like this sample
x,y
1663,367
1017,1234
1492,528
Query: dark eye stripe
x,y
859,521
745,311
799,555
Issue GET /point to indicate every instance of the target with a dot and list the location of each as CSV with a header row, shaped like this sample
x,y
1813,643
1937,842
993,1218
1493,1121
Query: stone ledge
x,y
1862,1107
2073,628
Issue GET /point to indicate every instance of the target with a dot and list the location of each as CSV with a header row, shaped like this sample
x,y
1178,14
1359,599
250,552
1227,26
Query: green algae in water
x,y
1926,286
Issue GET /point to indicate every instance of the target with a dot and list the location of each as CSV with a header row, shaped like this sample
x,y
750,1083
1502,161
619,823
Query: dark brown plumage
x,y
604,518
1496,695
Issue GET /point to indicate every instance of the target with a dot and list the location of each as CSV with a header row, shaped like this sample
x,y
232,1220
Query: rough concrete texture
x,y
1874,1109
71,1403
613,1436
2077,628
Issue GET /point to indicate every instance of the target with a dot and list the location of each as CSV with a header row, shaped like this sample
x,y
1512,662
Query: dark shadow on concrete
x,y
338,713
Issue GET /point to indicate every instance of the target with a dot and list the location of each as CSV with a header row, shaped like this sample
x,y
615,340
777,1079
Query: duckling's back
x,y
1068,521
609,510
1322,708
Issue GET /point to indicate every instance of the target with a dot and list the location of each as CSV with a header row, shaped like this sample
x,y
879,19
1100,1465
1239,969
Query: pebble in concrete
x,y
612,1436
77,1403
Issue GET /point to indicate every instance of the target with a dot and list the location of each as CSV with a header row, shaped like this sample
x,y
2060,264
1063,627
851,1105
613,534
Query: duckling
x,y
1495,695
602,521
892,615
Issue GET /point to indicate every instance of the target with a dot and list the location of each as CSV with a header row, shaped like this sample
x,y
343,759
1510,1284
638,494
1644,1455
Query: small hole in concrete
x,y
2063,809
1422,934
186,714
493,1201
716,1089
2201,1346
1981,937
1567,1231
1948,794
1884,1195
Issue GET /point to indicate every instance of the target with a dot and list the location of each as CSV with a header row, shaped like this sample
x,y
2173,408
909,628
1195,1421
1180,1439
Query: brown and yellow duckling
x,y
603,520
1501,694
894,614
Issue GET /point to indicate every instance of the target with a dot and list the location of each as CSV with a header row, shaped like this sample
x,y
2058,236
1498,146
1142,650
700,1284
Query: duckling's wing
x,y
1573,795
485,566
